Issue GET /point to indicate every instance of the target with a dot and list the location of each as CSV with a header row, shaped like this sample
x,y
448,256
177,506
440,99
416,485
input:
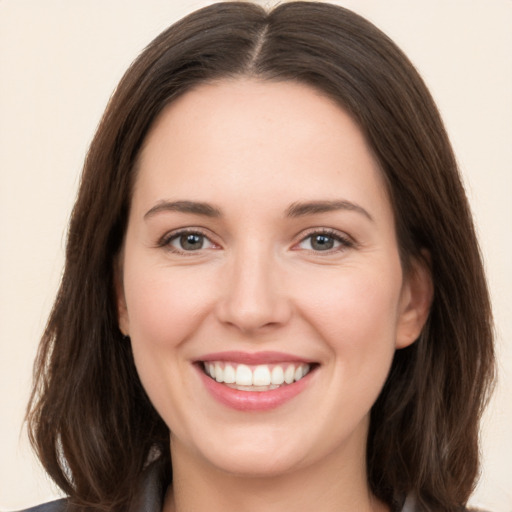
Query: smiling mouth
x,y
262,377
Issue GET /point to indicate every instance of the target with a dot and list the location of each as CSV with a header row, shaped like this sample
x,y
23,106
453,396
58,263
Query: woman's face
x,y
261,252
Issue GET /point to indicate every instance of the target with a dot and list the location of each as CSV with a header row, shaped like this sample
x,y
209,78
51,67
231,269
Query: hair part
x,y
90,419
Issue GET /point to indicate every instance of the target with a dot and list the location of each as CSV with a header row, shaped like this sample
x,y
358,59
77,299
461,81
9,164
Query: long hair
x,y
90,420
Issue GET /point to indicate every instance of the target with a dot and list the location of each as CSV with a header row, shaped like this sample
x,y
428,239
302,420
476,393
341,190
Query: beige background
x,y
59,62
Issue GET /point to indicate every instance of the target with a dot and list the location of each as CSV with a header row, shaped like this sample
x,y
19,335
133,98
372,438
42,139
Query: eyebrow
x,y
301,209
197,208
297,209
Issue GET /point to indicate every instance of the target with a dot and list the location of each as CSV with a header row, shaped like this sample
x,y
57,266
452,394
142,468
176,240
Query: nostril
x,y
249,315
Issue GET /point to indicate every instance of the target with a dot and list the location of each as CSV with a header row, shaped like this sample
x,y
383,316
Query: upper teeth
x,y
260,375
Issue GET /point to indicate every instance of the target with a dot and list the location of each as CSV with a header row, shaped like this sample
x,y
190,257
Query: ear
x,y
122,310
415,301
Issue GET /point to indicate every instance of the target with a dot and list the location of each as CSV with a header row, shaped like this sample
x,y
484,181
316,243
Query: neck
x,y
334,485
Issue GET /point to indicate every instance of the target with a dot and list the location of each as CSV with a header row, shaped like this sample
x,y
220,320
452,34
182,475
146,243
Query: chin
x,y
259,465
254,456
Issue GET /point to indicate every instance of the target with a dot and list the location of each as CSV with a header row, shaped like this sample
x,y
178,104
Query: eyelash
x,y
343,241
165,241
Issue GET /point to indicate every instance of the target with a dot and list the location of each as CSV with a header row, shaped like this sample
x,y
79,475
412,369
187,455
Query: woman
x,y
271,276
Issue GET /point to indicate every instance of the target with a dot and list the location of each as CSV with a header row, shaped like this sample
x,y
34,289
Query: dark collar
x,y
150,495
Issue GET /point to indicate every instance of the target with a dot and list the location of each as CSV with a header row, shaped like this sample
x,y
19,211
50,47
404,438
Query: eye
x,y
324,241
187,241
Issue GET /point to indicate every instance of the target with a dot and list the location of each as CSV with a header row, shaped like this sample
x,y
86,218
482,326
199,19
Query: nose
x,y
254,294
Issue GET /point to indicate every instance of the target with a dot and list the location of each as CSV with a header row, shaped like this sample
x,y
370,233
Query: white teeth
x,y
219,373
289,374
243,375
229,374
277,375
259,378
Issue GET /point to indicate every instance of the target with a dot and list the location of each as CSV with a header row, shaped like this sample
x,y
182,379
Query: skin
x,y
252,149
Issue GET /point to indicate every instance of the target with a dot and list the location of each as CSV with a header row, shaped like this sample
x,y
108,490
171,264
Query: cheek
x,y
355,310
164,305
165,308
357,320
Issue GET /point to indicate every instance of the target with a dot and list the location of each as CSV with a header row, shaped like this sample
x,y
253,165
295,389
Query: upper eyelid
x,y
170,235
191,229
335,233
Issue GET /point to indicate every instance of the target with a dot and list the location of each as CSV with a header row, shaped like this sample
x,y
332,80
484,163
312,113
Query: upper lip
x,y
254,358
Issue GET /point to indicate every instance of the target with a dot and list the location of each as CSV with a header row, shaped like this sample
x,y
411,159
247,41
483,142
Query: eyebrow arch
x,y
300,209
197,208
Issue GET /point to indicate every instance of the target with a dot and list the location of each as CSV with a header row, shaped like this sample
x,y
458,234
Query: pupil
x,y
322,242
191,242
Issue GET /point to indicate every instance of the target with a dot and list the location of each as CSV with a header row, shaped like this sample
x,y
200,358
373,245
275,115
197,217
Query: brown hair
x,y
90,420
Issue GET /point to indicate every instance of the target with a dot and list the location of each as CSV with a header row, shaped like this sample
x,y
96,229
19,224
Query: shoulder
x,y
53,506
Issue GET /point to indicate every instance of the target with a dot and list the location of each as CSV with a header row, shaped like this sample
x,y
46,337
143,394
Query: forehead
x,y
247,136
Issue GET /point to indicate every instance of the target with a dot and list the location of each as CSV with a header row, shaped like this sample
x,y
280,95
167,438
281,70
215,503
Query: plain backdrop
x,y
60,61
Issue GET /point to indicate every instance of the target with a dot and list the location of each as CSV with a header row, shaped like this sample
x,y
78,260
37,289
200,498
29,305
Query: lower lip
x,y
253,400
